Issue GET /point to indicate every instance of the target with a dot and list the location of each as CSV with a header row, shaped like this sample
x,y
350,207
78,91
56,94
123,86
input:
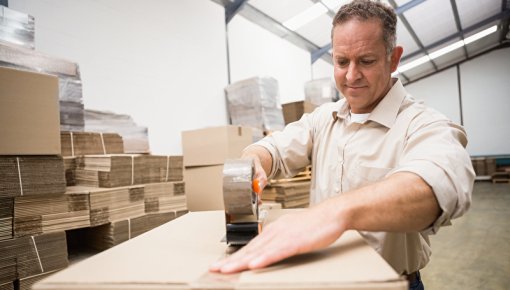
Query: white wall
x,y
439,91
255,51
485,94
322,69
161,61
485,84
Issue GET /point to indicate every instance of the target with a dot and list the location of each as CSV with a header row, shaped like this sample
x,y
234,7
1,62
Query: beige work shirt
x,y
400,134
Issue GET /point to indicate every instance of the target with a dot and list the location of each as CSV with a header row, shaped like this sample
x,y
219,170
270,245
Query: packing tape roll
x,y
238,195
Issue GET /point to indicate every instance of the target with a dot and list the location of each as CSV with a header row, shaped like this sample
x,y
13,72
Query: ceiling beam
x,y
233,8
411,31
457,23
500,16
401,9
267,22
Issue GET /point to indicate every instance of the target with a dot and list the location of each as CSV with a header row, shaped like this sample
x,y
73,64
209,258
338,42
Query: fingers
x,y
266,249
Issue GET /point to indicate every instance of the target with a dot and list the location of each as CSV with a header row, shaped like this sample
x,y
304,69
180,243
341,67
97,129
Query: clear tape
x,y
132,169
72,143
19,176
167,166
37,253
102,142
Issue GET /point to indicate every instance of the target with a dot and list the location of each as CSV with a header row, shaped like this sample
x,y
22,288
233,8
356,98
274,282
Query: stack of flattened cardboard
x,y
108,170
89,143
50,213
135,137
32,255
31,175
10,250
293,194
111,204
17,28
165,197
7,286
109,235
70,170
116,170
255,102
161,168
6,213
42,254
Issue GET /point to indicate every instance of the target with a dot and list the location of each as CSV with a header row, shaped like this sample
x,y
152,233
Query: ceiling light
x,y
481,34
413,64
306,16
447,49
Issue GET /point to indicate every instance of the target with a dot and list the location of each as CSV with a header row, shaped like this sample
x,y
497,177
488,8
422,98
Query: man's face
x,y
361,66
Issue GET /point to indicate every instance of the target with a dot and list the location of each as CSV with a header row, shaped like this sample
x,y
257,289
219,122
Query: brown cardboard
x,y
29,113
204,187
211,146
177,255
293,111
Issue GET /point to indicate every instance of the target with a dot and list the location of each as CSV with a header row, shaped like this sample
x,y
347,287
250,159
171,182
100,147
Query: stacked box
x,y
69,80
293,111
320,91
17,28
255,103
203,162
135,137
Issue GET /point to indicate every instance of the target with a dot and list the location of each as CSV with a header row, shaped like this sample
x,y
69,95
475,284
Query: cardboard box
x,y
293,111
177,255
204,187
211,146
29,113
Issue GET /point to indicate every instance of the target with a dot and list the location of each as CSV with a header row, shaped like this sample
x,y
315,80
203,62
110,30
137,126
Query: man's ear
x,y
396,54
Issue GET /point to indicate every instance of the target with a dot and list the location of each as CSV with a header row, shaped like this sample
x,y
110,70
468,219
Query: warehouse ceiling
x,y
435,34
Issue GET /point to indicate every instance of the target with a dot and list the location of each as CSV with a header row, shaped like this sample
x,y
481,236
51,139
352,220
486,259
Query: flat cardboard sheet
x,y
29,113
177,255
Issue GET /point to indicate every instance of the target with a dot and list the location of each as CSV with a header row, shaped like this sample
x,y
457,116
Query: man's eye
x,y
367,61
342,63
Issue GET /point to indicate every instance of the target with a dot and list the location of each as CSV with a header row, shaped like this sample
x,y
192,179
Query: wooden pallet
x,y
301,176
501,177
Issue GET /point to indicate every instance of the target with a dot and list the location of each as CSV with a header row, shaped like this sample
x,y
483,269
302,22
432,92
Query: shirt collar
x,y
385,113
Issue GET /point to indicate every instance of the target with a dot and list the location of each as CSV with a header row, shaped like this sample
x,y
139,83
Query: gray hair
x,y
367,10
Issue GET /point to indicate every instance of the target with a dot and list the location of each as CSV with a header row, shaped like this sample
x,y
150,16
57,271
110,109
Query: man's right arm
x,y
262,160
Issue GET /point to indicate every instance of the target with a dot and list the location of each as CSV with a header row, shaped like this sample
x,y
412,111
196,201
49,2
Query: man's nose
x,y
353,72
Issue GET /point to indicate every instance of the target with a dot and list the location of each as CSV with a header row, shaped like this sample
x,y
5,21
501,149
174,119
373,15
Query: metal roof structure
x,y
435,34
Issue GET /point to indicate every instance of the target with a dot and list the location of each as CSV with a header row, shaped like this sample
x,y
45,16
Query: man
x,y
382,163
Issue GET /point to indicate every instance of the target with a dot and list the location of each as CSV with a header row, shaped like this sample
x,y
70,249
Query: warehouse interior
x,y
155,82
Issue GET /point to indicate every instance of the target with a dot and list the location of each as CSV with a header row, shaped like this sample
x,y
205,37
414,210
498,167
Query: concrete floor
x,y
474,253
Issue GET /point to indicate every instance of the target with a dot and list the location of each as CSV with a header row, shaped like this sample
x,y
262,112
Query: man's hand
x,y
292,234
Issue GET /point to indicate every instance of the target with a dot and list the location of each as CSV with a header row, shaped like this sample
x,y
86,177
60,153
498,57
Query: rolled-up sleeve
x,y
436,152
291,148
